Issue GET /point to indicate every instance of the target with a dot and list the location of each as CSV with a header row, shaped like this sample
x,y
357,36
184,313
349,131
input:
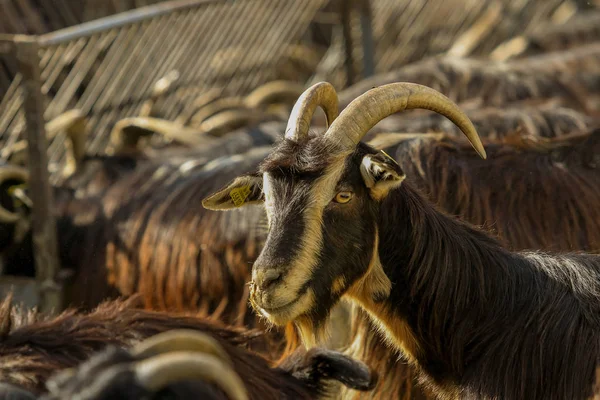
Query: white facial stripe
x,y
320,195
267,188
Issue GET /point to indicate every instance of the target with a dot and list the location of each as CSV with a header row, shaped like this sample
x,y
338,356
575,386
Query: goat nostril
x,y
268,278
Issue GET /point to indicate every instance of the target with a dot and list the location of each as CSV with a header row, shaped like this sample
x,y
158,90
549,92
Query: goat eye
x,y
343,197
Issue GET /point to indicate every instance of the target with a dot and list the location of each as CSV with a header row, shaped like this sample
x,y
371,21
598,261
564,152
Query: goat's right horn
x,y
367,110
11,172
321,94
157,372
180,340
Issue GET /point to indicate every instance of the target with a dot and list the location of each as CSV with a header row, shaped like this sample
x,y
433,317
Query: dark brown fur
x,y
33,348
536,210
485,321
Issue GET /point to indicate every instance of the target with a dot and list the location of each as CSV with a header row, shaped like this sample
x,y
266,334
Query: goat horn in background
x,y
158,372
321,94
180,340
273,92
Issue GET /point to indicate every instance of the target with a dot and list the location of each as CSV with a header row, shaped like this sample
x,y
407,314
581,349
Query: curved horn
x,y
228,121
320,94
197,104
368,109
180,340
159,89
158,372
11,172
75,125
273,91
127,132
217,106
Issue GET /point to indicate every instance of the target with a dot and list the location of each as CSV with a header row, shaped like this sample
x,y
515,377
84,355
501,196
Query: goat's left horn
x,y
371,107
321,94
158,372
180,340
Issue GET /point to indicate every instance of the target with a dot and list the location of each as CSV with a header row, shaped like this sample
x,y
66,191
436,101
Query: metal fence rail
x,y
35,17
107,67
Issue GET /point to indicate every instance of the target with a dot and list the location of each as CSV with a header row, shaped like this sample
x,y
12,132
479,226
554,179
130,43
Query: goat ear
x,y
243,190
381,173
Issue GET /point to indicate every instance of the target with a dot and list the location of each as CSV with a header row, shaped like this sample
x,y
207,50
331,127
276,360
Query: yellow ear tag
x,y
239,195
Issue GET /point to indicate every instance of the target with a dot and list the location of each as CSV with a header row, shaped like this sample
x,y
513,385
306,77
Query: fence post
x,y
366,19
44,233
346,10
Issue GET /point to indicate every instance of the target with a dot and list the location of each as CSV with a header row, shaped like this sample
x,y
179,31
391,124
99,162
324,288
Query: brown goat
x,y
33,348
224,245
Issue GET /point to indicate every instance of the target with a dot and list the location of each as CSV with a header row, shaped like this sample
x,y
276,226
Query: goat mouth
x,y
279,309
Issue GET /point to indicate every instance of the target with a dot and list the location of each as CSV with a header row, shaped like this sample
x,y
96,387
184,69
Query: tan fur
x,y
338,285
372,286
302,268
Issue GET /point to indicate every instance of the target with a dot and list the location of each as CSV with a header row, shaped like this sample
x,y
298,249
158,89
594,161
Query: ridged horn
x,y
180,340
11,172
161,371
127,132
218,106
74,123
200,101
228,121
322,95
273,91
371,107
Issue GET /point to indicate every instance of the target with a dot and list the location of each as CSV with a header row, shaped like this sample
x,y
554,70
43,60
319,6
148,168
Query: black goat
x,y
478,320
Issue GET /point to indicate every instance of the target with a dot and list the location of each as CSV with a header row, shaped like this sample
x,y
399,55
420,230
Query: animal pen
x,y
106,68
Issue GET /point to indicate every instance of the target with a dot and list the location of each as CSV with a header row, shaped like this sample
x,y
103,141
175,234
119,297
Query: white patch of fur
x,y
389,179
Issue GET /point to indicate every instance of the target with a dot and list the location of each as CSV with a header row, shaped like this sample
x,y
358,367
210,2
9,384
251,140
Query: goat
x,y
565,75
478,320
34,348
